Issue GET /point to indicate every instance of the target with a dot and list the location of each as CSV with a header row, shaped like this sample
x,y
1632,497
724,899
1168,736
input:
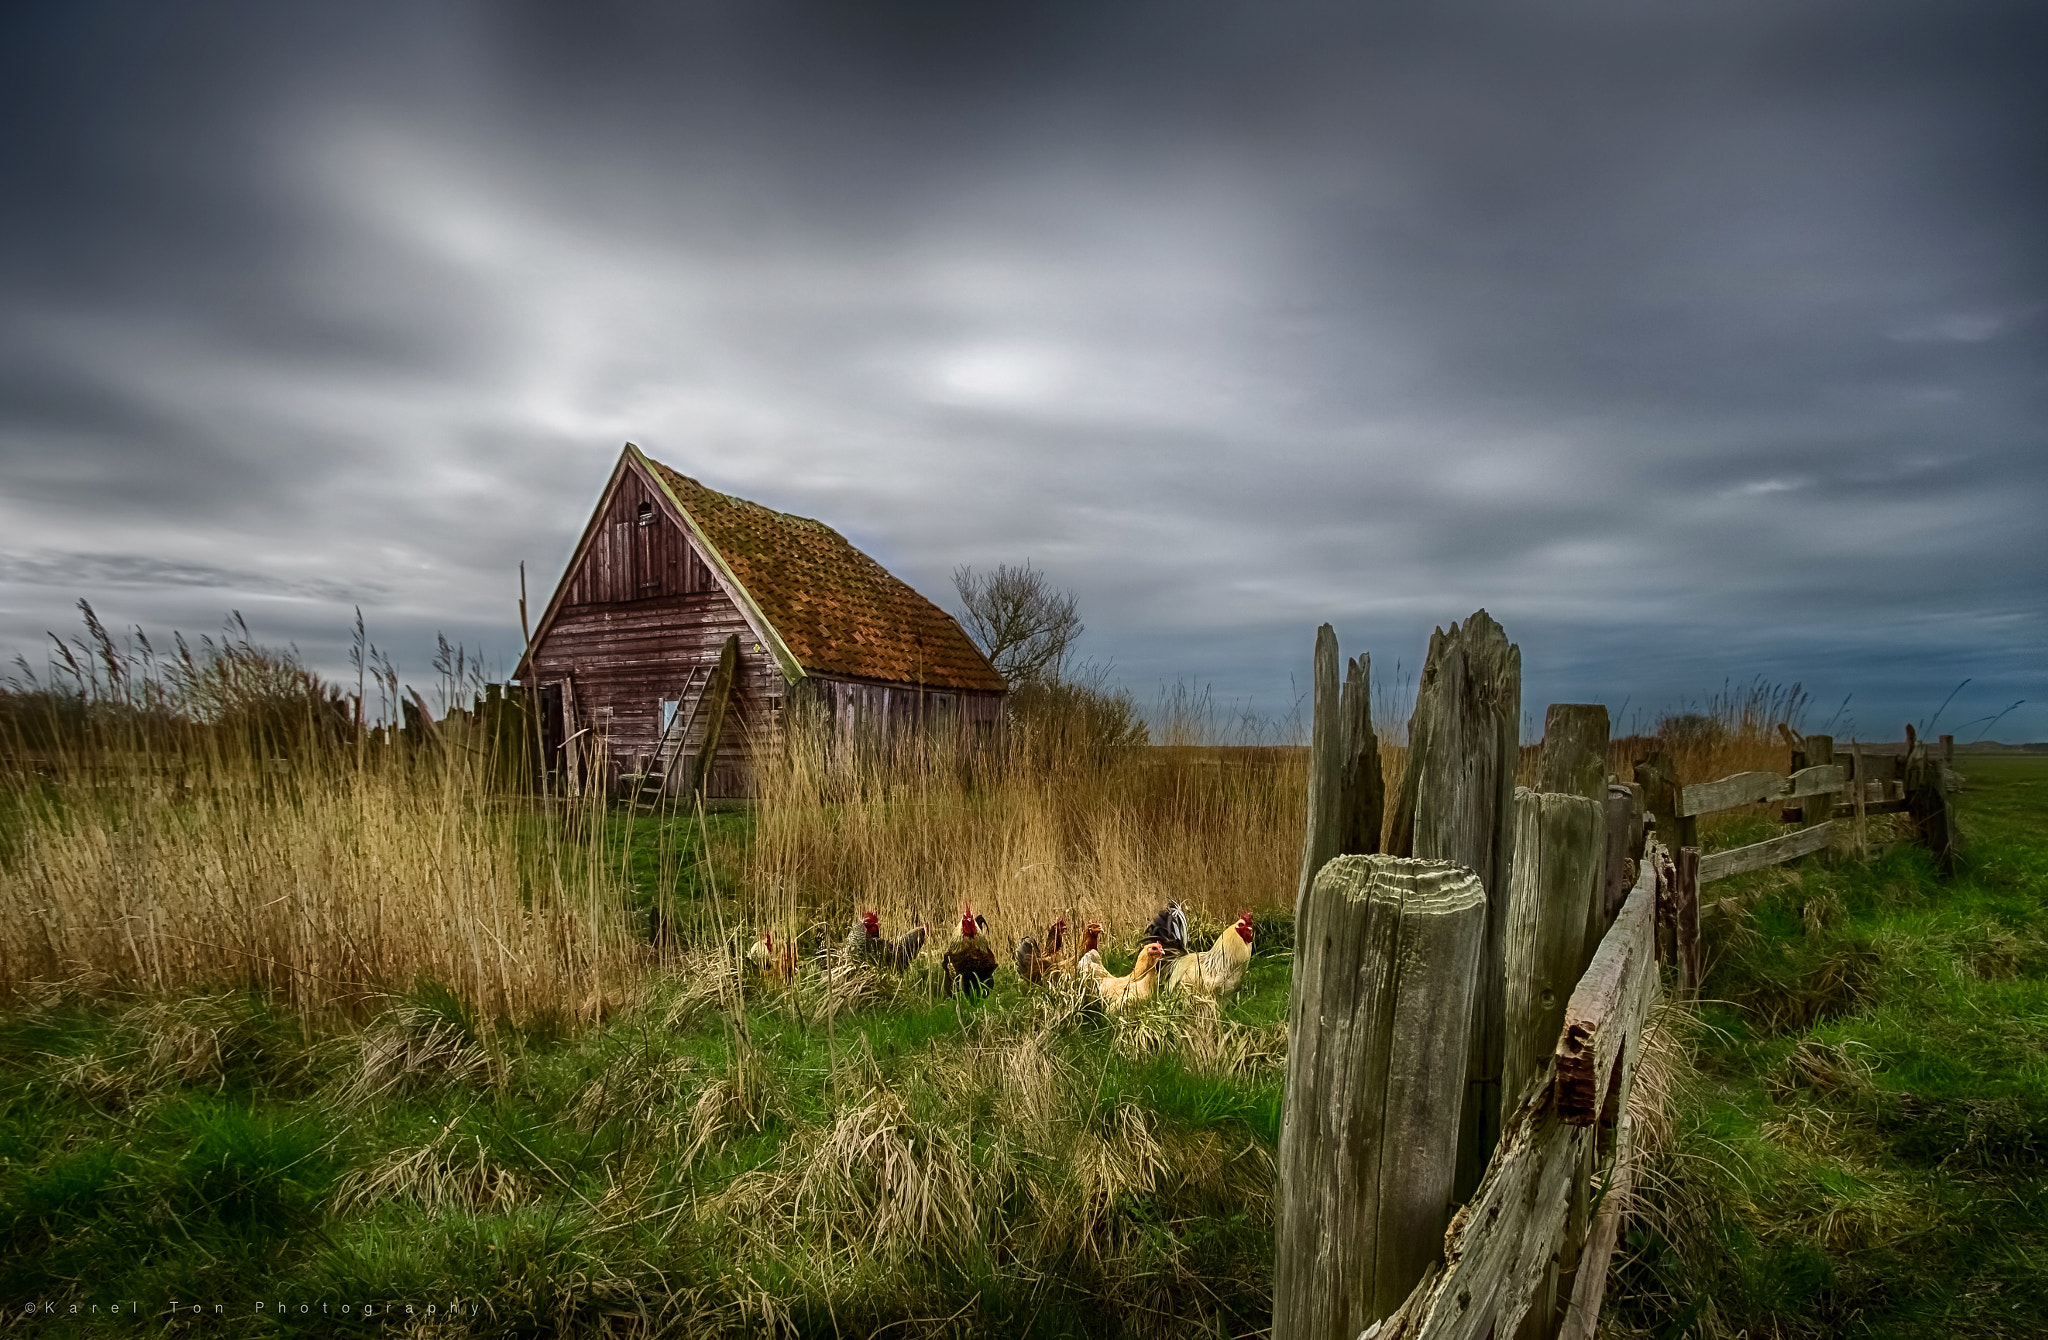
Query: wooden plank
x,y
1750,788
1589,1287
1776,851
1379,1019
1816,751
1595,1019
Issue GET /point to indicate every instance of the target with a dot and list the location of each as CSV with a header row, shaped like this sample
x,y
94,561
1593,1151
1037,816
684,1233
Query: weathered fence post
x,y
1346,796
1815,751
1559,842
1385,983
1573,760
1686,912
1624,848
1927,803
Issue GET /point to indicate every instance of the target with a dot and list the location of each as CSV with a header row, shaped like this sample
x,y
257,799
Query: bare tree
x,y
1025,626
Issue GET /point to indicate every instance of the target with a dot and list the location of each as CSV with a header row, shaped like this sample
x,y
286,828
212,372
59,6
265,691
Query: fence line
x,y
1565,893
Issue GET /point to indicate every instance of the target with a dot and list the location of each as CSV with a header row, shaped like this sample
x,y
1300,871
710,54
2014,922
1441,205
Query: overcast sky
x,y
1695,341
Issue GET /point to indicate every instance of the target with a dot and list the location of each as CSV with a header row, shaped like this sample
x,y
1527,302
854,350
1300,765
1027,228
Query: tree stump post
x,y
1385,984
1457,804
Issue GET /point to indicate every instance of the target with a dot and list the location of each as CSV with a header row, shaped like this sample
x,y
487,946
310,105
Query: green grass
x,y
1019,1166
1861,1147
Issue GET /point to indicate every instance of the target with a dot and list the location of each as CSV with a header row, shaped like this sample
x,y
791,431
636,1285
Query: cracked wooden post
x,y
1560,841
1346,796
1457,804
1387,952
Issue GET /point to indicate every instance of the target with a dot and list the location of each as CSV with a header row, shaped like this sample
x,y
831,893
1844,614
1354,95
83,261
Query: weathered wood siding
x,y
872,710
641,611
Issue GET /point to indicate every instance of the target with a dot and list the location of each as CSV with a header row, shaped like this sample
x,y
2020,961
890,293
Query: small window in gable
x,y
647,514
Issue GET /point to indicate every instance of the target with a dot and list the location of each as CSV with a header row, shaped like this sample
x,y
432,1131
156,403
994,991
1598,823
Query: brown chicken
x,y
1034,964
1119,993
970,959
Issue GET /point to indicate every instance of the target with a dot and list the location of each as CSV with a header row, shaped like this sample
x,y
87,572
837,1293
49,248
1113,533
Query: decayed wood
x,y
1346,796
1595,1026
1380,1018
1659,779
1749,788
1582,1317
1721,864
1816,751
1321,837
1363,802
1457,804
1560,841
1859,796
1686,906
1624,850
717,695
1927,802
1498,1250
1573,758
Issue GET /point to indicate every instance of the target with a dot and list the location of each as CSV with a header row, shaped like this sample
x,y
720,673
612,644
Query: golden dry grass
x,y
326,881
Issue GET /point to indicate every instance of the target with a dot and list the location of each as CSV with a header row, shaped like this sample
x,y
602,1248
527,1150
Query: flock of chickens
x,y
1164,963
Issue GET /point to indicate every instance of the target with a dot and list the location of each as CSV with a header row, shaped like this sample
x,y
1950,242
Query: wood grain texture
x,y
1496,1266
1596,1018
1363,802
1589,1287
1458,793
1750,788
1380,1017
1321,834
1560,843
1721,864
1573,757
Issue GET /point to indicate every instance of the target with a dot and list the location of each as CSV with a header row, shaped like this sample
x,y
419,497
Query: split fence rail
x,y
1476,964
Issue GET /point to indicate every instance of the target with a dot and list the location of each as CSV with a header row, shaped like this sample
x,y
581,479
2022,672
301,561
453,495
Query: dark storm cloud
x,y
1695,341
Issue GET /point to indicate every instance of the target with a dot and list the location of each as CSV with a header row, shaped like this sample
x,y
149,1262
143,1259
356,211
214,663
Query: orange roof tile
x,y
838,611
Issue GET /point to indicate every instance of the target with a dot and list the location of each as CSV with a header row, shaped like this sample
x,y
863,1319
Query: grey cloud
x,y
1695,342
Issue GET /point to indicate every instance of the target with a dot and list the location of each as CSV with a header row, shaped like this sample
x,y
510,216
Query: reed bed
x,y
1023,833
160,839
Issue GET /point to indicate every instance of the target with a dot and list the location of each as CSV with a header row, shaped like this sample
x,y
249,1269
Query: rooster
x,y
1217,970
777,965
864,943
970,959
1116,993
1169,930
1034,965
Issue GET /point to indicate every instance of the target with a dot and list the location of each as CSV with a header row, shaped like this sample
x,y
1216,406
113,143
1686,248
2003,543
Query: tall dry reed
x,y
151,842
1023,831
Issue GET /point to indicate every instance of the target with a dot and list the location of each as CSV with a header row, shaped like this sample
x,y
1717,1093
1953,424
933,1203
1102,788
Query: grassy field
x,y
806,1162
1860,1146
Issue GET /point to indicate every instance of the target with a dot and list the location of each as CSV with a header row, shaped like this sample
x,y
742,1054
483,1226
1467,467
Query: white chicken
x,y
1118,993
1217,970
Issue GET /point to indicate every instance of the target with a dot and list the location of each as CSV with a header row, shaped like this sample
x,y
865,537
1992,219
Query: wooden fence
x,y
1456,1154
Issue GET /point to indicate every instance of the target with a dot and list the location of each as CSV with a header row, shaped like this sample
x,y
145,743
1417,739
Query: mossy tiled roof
x,y
838,611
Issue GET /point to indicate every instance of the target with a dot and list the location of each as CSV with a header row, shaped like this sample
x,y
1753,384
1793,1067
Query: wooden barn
x,y
669,574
